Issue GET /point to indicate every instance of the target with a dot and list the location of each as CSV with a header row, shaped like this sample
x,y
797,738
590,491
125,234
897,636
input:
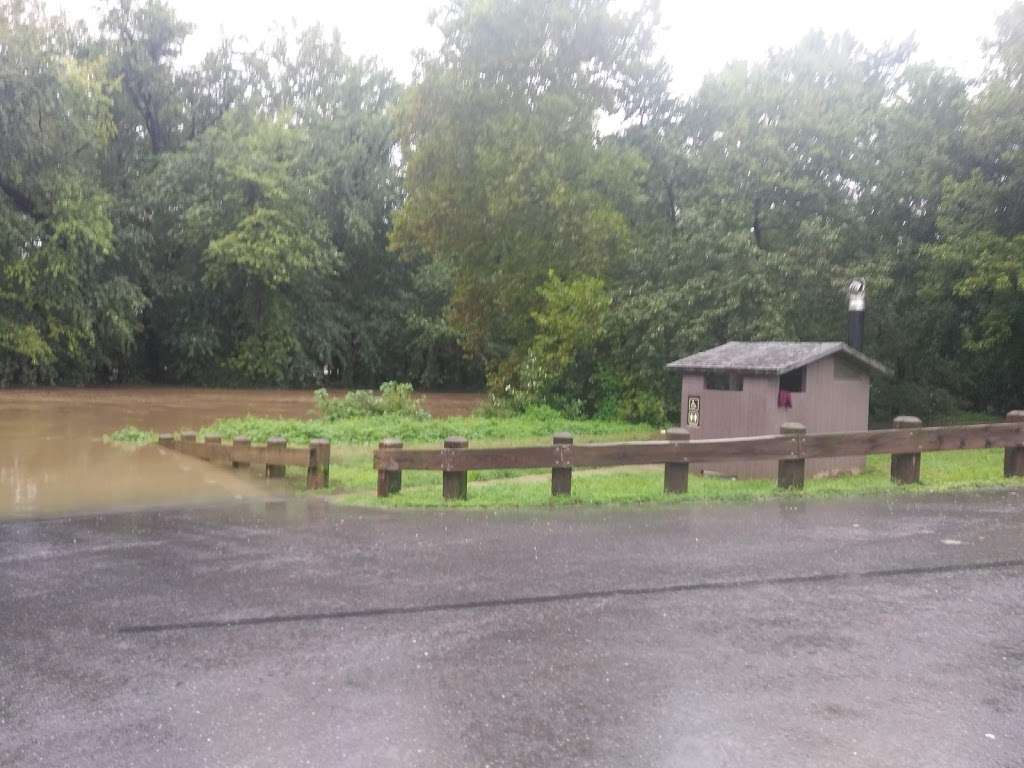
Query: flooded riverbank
x,y
53,459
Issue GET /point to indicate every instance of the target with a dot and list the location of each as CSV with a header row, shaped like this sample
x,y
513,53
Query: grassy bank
x,y
353,479
367,431
947,471
354,439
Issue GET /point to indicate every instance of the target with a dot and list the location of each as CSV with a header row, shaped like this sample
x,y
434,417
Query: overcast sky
x,y
696,38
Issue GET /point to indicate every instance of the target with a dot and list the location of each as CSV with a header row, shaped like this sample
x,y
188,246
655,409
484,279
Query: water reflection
x,y
53,461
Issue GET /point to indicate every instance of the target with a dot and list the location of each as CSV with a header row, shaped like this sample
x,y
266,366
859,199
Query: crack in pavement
x,y
567,597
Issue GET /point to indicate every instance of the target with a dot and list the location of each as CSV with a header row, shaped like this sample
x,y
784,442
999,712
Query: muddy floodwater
x,y
53,460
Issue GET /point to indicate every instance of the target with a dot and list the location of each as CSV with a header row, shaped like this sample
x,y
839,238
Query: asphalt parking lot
x,y
878,632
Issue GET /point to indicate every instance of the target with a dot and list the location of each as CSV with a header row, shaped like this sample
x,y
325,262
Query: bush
x,y
394,399
621,397
517,402
891,398
641,407
498,407
130,436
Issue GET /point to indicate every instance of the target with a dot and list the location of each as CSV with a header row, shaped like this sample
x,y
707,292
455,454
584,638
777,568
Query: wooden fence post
x,y
276,470
209,440
791,471
677,473
561,477
241,442
389,481
454,483
905,468
791,449
165,441
319,472
1013,456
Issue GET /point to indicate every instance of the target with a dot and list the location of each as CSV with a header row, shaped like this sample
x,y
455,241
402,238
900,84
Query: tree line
x,y
287,215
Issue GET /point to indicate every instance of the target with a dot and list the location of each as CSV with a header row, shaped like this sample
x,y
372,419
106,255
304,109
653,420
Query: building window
x,y
794,381
845,371
723,380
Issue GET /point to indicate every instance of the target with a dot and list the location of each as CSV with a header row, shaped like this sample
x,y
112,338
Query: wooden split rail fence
x,y
906,441
274,456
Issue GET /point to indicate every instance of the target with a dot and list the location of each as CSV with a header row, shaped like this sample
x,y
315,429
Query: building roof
x,y
771,358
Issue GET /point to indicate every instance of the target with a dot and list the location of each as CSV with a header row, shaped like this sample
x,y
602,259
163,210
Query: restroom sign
x,y
693,411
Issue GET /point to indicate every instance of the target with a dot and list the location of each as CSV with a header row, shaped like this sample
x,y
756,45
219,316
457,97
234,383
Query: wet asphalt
x,y
881,632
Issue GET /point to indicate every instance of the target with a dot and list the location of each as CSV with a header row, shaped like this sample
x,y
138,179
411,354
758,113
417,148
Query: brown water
x,y
53,459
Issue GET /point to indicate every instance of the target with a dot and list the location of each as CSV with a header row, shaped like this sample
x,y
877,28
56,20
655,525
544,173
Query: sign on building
x,y
693,411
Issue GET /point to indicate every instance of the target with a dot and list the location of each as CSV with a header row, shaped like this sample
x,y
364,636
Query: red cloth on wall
x,y
785,398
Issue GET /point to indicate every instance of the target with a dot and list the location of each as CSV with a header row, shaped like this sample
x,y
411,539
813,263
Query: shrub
x,y
130,436
890,398
497,407
642,407
394,398
622,397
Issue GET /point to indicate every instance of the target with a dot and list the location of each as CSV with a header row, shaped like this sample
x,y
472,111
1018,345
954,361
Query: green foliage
x,y
250,199
505,177
974,286
891,398
571,324
625,397
285,215
394,399
66,312
130,436
537,423
247,233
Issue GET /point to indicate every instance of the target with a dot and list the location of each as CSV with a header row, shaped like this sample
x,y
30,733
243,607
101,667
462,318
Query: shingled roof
x,y
771,358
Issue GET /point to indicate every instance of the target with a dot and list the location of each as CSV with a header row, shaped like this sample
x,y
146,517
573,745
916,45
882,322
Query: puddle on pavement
x,y
53,460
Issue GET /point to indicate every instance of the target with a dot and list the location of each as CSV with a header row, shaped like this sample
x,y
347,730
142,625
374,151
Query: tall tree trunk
x,y
756,227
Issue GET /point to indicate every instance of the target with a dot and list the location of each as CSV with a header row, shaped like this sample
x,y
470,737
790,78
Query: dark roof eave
x,y
867,362
726,368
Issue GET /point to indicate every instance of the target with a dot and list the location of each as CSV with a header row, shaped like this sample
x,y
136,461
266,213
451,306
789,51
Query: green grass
x,y
945,471
353,479
369,430
354,439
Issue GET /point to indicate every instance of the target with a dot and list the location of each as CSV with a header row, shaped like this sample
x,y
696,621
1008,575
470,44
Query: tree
x,y
66,311
976,275
145,40
384,317
506,177
285,214
240,252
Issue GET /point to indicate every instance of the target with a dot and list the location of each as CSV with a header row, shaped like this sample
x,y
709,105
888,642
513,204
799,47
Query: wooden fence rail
x,y
274,456
906,441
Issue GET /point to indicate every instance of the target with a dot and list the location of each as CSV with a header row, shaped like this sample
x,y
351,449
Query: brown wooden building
x,y
752,388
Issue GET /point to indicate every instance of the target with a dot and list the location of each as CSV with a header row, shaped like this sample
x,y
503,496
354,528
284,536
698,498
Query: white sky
x,y
696,38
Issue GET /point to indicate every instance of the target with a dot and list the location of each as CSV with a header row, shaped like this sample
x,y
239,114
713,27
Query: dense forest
x,y
285,215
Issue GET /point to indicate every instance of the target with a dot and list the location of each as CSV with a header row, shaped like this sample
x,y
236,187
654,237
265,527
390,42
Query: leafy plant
x,y
394,398
130,436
